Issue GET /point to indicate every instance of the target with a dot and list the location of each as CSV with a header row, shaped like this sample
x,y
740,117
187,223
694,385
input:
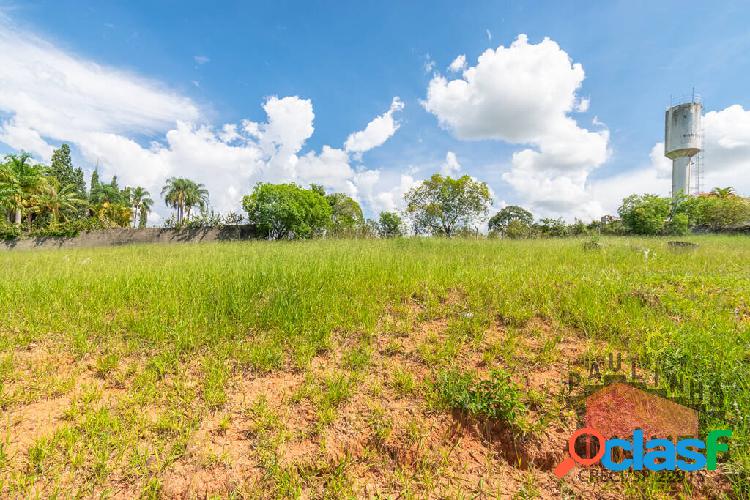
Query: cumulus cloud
x,y
458,64
523,94
201,59
377,131
383,191
451,165
51,96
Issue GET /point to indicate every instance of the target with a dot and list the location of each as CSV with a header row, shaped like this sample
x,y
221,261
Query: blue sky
x,y
350,59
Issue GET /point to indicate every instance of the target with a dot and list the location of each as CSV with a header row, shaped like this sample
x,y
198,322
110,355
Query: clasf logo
x,y
587,447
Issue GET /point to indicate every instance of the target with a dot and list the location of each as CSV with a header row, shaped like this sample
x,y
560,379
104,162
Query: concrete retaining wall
x,y
114,237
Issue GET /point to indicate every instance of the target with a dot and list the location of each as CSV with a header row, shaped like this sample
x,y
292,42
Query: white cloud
x,y
429,63
458,64
726,158
609,192
523,94
201,59
50,96
383,191
377,131
583,105
58,96
451,165
661,164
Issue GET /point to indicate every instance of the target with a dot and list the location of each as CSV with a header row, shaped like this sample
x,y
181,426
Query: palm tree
x,y
57,200
106,193
146,205
184,194
10,192
18,182
727,192
141,203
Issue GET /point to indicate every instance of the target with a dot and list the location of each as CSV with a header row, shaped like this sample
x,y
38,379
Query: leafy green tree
x,y
62,168
719,210
94,182
390,225
500,221
287,210
443,205
552,228
318,189
518,229
346,214
182,195
645,214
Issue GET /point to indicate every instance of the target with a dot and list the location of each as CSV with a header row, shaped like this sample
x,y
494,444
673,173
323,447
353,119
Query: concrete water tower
x,y
683,142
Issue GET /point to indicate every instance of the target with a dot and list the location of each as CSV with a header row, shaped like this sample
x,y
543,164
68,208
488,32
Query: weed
x,y
381,426
494,398
402,381
357,358
106,364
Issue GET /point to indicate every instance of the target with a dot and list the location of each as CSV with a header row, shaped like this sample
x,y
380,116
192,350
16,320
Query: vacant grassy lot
x,y
349,368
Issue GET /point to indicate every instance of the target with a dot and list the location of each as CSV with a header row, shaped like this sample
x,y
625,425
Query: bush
x,y
678,225
494,398
645,214
69,229
9,231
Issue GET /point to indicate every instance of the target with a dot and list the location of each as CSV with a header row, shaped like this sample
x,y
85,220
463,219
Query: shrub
x,y
494,398
645,214
9,231
678,225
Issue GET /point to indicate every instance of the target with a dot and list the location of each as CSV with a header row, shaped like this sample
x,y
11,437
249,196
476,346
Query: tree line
x,y
54,200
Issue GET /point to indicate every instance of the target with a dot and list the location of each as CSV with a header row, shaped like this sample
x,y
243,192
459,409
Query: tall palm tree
x,y
19,181
140,202
182,195
145,209
727,192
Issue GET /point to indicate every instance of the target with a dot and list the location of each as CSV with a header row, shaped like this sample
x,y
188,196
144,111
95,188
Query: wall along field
x,y
349,368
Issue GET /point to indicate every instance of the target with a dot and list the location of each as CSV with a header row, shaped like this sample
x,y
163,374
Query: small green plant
x,y
381,426
402,382
358,358
106,364
495,398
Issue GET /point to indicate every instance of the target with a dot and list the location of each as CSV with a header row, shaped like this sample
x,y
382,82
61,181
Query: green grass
x,y
172,326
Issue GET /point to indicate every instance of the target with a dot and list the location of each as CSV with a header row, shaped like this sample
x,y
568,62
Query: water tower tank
x,y
682,141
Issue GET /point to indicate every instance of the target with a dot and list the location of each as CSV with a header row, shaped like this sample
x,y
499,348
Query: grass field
x,y
349,368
